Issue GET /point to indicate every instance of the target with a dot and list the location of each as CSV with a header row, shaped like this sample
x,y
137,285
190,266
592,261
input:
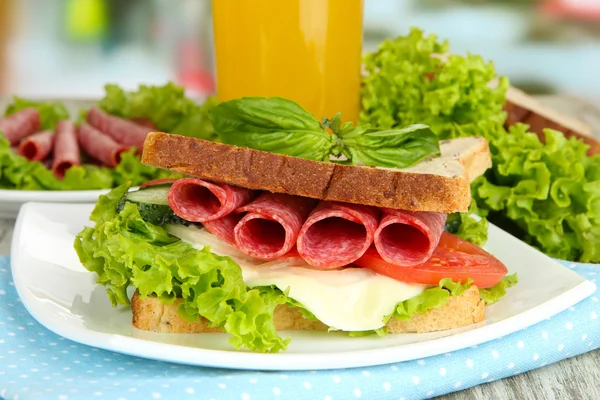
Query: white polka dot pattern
x,y
37,364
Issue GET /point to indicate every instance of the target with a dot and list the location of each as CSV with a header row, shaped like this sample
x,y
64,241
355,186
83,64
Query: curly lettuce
x,y
167,107
414,80
124,250
495,293
469,226
548,194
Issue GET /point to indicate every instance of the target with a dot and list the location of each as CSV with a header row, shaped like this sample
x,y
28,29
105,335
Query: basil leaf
x,y
272,124
395,148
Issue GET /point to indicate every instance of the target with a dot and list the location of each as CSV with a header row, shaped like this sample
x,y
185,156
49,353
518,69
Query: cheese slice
x,y
350,299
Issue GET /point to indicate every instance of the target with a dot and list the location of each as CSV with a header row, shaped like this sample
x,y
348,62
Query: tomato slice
x,y
156,182
454,258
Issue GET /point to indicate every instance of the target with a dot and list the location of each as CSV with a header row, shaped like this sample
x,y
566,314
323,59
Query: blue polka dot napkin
x,y
37,364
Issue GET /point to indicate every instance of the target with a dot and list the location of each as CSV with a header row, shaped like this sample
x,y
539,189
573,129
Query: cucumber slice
x,y
153,205
158,195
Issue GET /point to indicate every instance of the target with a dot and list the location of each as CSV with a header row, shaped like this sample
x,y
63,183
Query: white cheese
x,y
350,299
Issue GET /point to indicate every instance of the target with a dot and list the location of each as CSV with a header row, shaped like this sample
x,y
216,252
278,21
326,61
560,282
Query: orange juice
x,y
306,50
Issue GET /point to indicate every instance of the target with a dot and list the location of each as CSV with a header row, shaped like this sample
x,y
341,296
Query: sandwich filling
x,y
234,276
348,299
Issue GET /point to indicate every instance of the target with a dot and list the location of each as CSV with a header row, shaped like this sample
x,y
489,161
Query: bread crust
x,y
467,309
254,169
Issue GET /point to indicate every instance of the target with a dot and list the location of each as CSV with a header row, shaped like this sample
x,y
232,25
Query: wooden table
x,y
574,378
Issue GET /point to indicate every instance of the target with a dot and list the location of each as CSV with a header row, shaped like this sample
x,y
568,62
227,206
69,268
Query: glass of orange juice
x,y
308,51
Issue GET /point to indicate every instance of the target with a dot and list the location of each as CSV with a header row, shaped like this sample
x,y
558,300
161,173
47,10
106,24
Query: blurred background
x,y
51,48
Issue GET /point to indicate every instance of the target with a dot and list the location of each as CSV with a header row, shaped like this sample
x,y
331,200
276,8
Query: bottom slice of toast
x,y
467,309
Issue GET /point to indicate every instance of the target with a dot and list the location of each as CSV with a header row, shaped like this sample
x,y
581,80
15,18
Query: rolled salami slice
x,y
37,146
406,238
66,148
223,228
270,228
337,234
196,200
119,129
100,146
19,125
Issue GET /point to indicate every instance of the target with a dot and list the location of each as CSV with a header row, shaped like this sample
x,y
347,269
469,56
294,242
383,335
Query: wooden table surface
x,y
574,378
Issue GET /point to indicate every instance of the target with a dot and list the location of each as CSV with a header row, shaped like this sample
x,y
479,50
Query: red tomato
x,y
454,258
156,182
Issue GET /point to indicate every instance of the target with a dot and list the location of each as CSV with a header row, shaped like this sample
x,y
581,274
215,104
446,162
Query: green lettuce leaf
x,y
470,226
165,106
124,250
50,111
546,194
495,293
434,297
408,81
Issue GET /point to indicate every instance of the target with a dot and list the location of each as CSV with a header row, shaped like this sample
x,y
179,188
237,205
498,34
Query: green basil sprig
x,y
282,126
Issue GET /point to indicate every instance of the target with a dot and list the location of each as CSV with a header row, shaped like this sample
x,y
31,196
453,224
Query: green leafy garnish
x,y
547,194
495,293
281,126
124,250
272,124
469,226
50,111
413,80
167,107
430,298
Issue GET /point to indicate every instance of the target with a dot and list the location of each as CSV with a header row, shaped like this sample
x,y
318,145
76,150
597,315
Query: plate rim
x,y
11,196
244,360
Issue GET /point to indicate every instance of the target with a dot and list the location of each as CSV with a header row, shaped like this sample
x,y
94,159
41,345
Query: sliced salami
x,y
337,234
223,228
37,146
100,146
19,125
196,200
406,238
270,228
121,130
66,148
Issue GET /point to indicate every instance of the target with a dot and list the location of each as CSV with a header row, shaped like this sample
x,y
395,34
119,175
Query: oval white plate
x,y
63,296
12,200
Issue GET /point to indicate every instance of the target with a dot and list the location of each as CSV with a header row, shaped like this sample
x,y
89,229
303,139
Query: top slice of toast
x,y
440,184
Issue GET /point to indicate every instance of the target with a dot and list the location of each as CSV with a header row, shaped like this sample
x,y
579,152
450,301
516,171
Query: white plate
x,y
12,200
63,297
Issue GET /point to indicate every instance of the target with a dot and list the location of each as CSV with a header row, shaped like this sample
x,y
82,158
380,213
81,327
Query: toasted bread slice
x,y
439,184
467,309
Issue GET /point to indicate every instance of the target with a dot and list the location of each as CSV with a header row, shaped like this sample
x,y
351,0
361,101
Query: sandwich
x,y
287,223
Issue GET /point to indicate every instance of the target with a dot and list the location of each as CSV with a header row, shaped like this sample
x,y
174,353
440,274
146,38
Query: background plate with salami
x,y
64,297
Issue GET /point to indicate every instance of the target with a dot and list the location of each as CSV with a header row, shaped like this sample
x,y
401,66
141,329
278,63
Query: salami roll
x,y
223,228
120,130
337,234
100,146
37,146
406,238
66,148
19,125
270,228
196,200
